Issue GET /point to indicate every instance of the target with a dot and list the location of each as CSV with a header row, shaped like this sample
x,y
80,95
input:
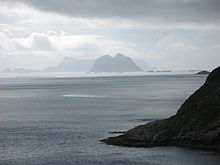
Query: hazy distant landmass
x,y
70,64
144,66
118,63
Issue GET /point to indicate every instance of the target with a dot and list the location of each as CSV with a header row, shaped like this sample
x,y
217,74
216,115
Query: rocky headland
x,y
195,125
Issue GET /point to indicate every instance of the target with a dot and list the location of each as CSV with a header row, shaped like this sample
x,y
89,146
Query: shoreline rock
x,y
195,125
203,72
117,132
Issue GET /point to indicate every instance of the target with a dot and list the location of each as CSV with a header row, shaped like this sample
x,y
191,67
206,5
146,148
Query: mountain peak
x,y
119,63
119,55
106,56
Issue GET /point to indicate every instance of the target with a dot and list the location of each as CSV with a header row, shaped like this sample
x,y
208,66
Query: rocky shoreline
x,y
195,125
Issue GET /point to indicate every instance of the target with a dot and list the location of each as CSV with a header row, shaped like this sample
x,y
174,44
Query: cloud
x,y
52,46
173,43
166,33
34,42
41,50
185,52
15,15
61,42
40,42
152,11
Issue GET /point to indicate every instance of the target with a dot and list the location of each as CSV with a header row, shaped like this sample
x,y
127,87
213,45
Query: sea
x,y
59,119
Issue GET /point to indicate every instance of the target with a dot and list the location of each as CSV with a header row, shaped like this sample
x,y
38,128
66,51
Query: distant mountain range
x,y
119,63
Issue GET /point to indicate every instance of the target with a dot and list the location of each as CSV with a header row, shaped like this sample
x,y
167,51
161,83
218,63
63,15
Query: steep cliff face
x,y
196,124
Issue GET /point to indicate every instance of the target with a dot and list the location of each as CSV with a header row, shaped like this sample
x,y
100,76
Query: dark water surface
x,y
61,120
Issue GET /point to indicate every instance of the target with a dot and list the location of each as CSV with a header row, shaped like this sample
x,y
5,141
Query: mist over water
x,y
60,120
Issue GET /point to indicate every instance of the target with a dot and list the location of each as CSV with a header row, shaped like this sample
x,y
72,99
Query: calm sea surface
x,y
61,120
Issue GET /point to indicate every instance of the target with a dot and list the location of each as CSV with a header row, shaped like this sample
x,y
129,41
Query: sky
x,y
166,34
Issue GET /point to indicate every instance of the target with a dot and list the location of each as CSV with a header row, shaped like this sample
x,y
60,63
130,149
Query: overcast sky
x,y
167,34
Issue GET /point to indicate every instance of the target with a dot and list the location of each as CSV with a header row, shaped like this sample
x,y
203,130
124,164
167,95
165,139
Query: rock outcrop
x,y
204,72
195,125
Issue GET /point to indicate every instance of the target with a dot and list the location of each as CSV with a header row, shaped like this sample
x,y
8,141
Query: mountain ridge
x,y
118,63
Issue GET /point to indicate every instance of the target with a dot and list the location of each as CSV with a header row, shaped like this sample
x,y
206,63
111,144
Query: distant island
x,y
195,125
203,72
118,63
70,64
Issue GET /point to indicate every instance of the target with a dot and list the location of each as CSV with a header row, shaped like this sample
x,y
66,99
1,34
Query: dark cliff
x,y
196,124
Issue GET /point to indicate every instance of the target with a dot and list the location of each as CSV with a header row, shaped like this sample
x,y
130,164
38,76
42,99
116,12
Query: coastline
x,y
195,125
